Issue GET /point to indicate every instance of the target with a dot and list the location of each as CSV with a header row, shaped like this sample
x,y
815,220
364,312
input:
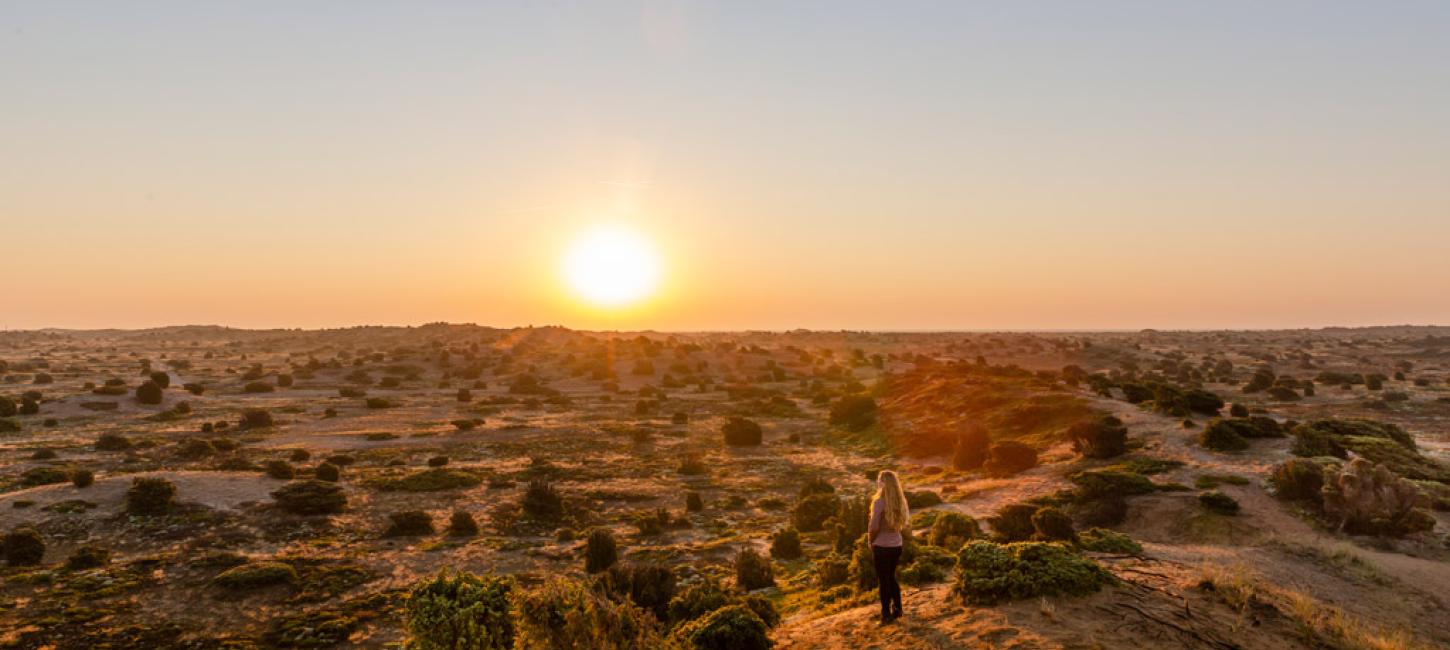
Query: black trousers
x,y
885,559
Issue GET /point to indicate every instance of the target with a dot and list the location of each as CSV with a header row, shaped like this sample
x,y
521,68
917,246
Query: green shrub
x,y
1013,522
150,496
43,475
735,627
112,442
970,449
564,613
989,573
917,499
8,425
1093,484
740,432
310,497
258,387
462,524
23,547
811,513
931,565
1220,437
699,599
543,502
327,472
148,393
1101,437
82,478
256,575
256,419
409,523
1009,457
650,585
785,544
832,570
1102,540
753,570
462,611
601,550
952,529
854,412
1298,479
279,469
1202,401
693,503
1218,503
89,556
1052,525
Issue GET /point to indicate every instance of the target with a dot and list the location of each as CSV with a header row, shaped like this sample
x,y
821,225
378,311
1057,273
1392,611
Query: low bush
x,y
279,469
1218,503
811,513
565,613
1219,437
462,524
1008,458
1102,540
1369,499
931,565
785,544
970,449
409,523
82,478
112,442
23,547
650,585
1298,479
740,432
952,529
542,501
148,393
693,502
150,496
1099,483
258,387
310,497
43,475
989,573
753,570
327,472
461,611
1052,525
89,556
734,627
428,480
601,550
1013,523
1101,437
854,412
256,419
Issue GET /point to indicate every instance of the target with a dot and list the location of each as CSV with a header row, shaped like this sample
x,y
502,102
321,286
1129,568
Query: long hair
x,y
895,513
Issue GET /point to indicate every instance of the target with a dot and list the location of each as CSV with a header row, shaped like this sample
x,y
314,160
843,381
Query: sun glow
x,y
612,267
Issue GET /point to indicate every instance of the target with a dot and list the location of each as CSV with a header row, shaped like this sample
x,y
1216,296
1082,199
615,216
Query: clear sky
x,y
882,165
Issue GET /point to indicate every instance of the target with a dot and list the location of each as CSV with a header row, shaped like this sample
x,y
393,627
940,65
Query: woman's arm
x,y
873,525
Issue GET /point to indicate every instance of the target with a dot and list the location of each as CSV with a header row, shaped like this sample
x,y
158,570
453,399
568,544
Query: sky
x,y
826,165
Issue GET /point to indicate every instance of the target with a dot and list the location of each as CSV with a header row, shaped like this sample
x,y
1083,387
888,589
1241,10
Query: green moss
x,y
989,573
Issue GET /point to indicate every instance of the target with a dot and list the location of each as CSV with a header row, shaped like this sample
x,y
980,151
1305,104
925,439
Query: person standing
x,y
890,517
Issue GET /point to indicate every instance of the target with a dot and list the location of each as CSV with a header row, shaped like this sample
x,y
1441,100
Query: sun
x,y
612,266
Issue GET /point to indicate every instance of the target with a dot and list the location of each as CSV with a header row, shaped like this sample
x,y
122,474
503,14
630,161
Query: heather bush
x,y
564,613
854,412
148,393
327,472
462,524
1009,457
693,503
989,573
1013,522
971,448
601,550
461,611
952,529
1052,525
82,478
409,523
257,387
310,498
279,469
542,501
1101,437
89,556
650,585
150,496
753,570
785,544
740,432
1102,540
1218,503
23,547
1298,479
255,575
811,513
1219,436
255,419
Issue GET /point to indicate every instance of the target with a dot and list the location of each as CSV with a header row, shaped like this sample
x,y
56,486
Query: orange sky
x,y
923,167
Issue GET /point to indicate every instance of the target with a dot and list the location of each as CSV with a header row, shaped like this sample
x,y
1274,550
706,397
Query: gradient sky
x,y
885,165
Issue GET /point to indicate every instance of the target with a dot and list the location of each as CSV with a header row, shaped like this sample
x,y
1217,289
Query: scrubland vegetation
x,y
454,486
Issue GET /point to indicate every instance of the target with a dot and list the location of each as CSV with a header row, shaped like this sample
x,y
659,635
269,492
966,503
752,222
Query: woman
x,y
889,519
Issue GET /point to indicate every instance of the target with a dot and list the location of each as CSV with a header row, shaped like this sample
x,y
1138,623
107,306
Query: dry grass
x,y
1243,589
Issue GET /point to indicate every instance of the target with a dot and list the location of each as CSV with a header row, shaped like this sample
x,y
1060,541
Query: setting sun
x,y
611,266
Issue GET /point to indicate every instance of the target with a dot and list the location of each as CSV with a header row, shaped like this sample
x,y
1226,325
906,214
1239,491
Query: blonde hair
x,y
894,513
